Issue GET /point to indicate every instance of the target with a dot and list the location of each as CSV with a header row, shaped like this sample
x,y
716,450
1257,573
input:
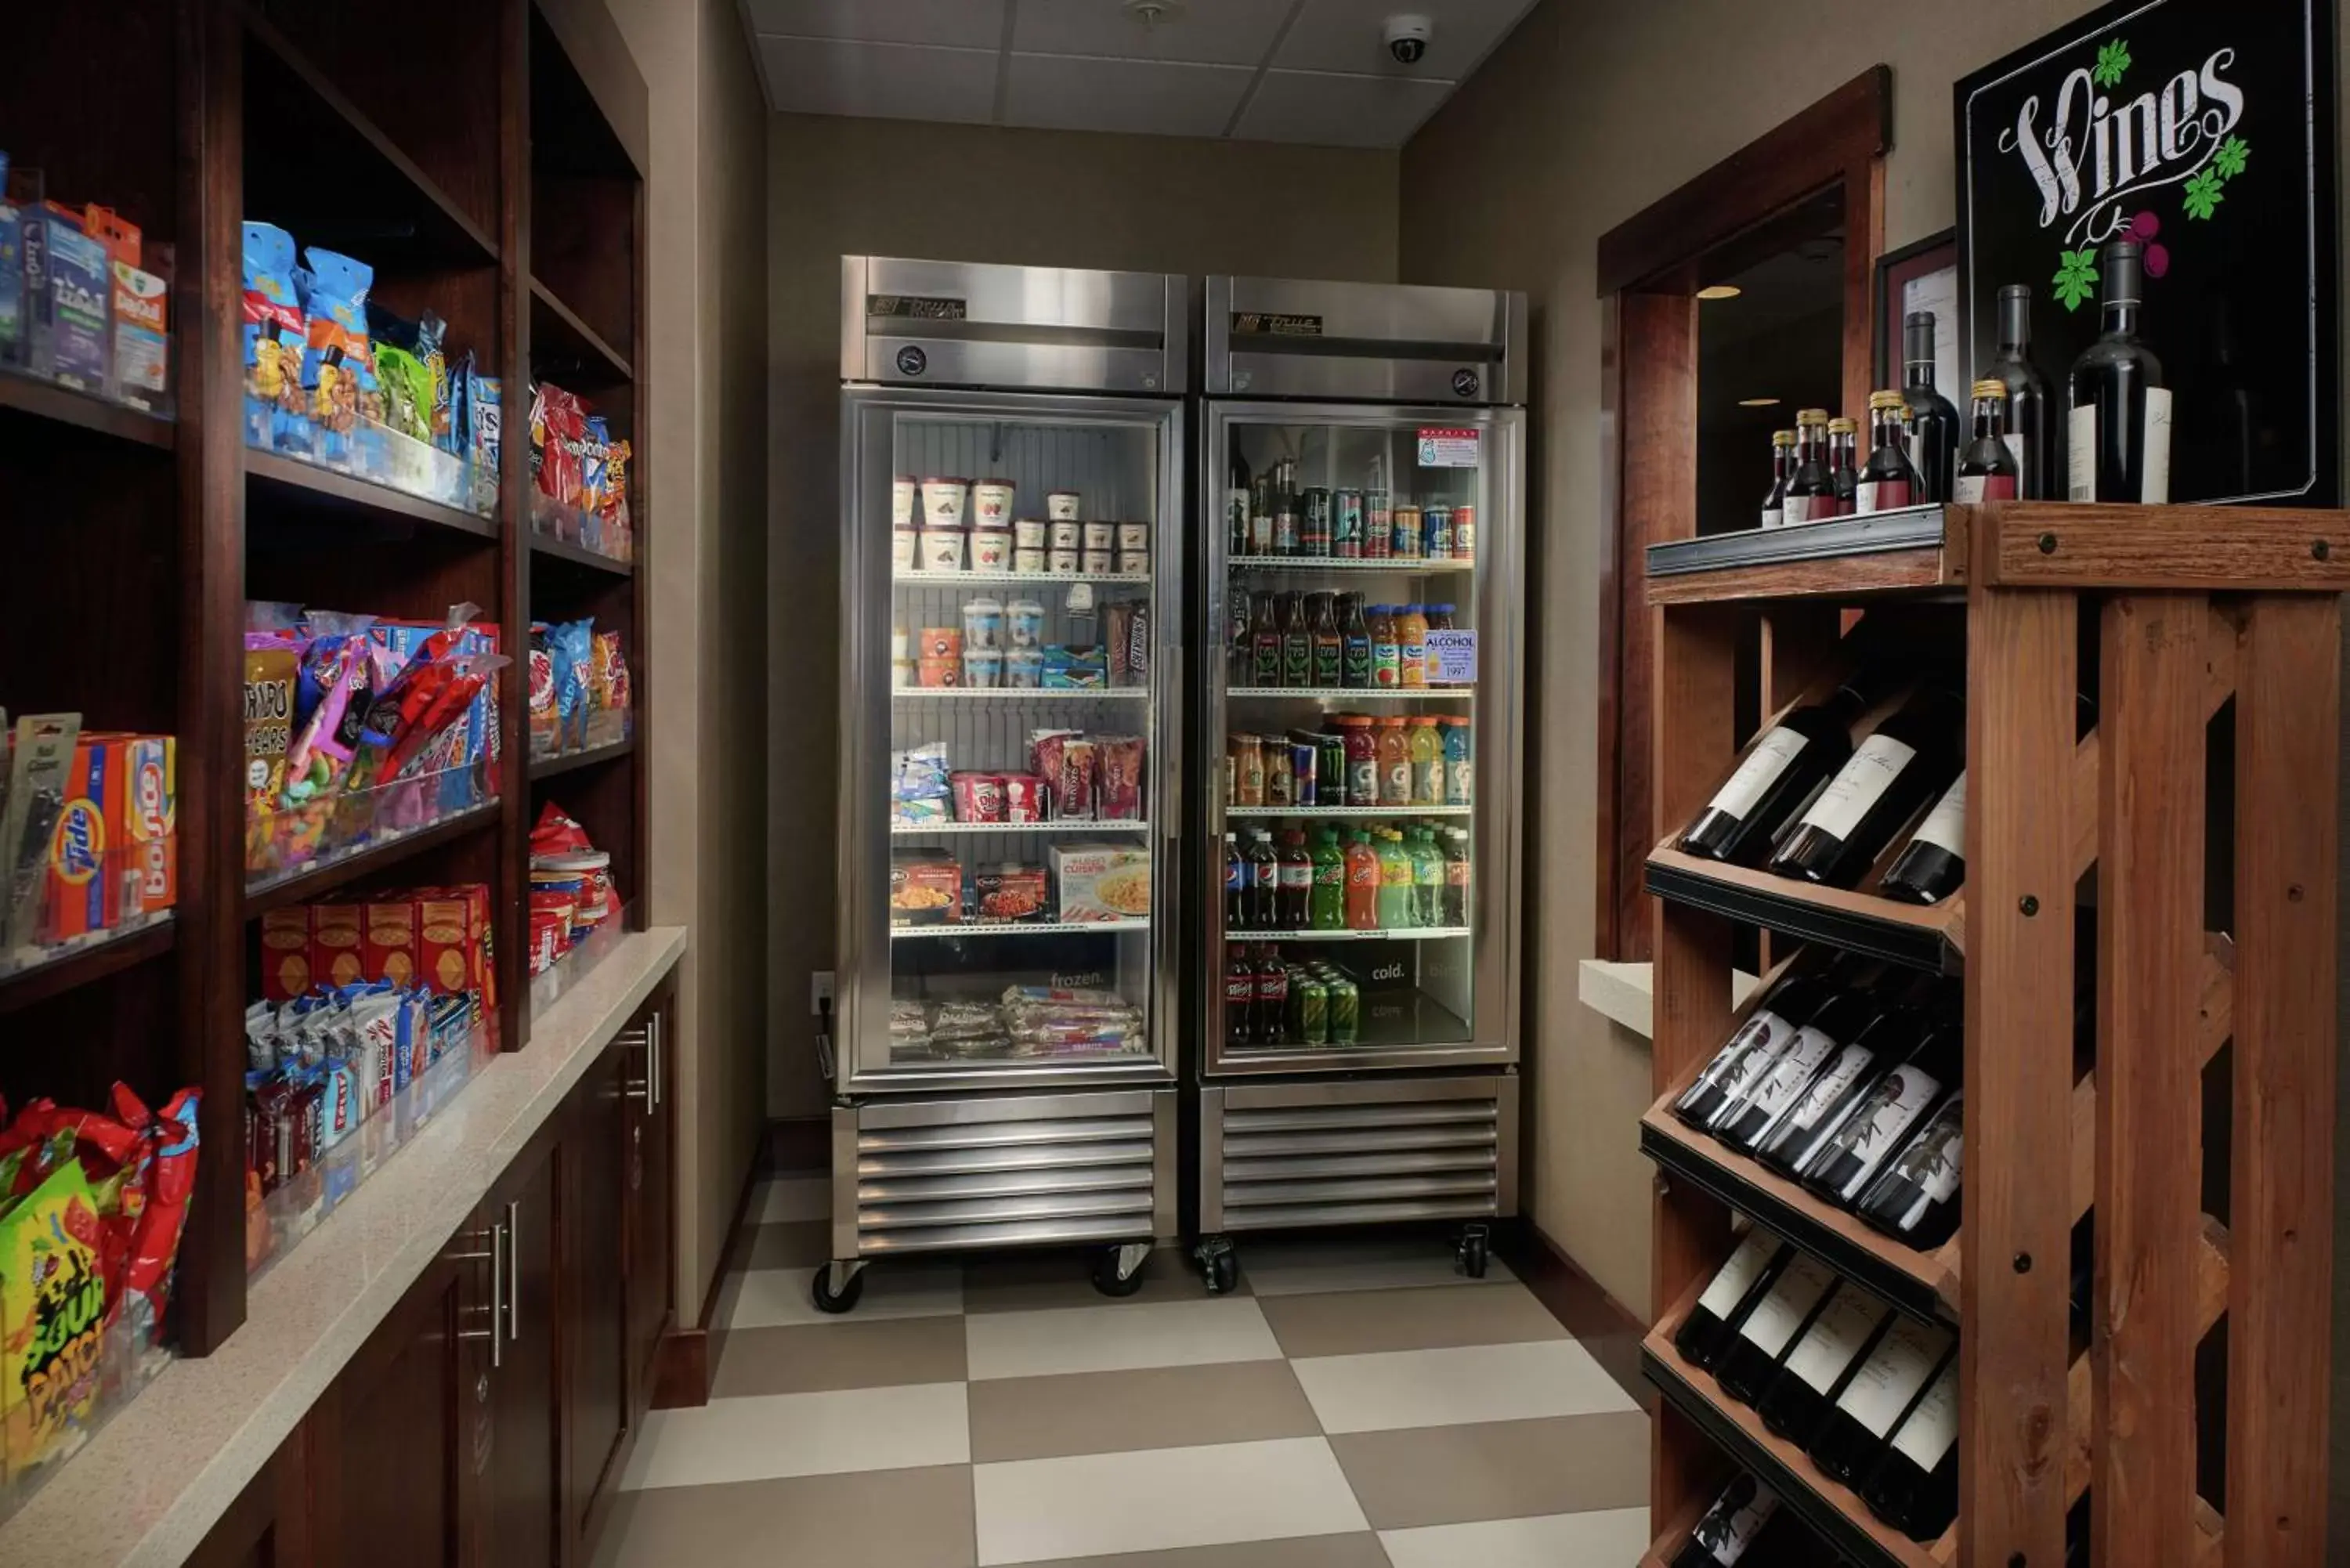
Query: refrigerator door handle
x,y
1170,810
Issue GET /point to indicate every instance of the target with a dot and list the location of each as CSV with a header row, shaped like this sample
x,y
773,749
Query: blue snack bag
x,y
338,368
12,274
275,413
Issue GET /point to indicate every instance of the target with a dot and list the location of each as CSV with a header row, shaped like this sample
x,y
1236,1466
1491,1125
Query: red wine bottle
x,y
1888,480
1844,469
1757,1042
1878,1394
1752,1269
1910,759
1933,424
1782,464
1915,1486
2031,417
1900,1099
1811,494
1743,1526
1916,1198
1780,771
1742,1122
1753,1353
2117,439
1987,467
1842,1333
1933,865
1835,1089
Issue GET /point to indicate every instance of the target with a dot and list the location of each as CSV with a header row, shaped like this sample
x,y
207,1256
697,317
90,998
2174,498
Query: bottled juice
x,y
1362,760
1456,877
1362,883
1427,877
1327,908
1396,879
1395,764
1427,752
1456,771
1411,645
1386,657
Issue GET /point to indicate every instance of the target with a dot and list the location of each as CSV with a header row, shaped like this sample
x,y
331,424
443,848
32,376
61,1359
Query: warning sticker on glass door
x,y
1441,448
1453,658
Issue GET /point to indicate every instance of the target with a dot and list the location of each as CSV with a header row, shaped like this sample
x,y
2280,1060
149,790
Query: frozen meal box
x,y
1098,882
1009,892
925,890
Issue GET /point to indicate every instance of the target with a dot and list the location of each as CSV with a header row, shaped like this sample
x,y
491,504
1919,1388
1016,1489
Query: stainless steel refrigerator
x,y
1003,1056
1362,481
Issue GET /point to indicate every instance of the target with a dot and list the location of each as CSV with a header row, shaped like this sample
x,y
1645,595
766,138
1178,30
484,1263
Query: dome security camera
x,y
1408,38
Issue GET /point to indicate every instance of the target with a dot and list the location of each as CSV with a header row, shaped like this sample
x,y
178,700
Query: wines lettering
x,y
2092,152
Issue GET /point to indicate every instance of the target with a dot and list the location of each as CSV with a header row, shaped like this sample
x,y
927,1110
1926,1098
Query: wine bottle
x,y
1910,759
1889,480
1782,464
1933,865
1753,1353
1933,422
2117,439
1742,1121
1744,1518
1752,1269
1899,1100
2031,420
1842,1333
1810,494
1915,1486
1878,1394
1757,1042
1782,770
1829,1098
1844,474
1916,1198
1987,468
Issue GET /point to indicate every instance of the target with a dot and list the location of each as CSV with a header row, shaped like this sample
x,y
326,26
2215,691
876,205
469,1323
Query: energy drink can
x,y
1346,524
1378,542
1315,529
1305,758
1309,1009
1436,528
1343,1004
1330,770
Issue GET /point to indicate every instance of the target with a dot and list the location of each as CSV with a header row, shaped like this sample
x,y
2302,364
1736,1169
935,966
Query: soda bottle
x,y
1261,515
1395,879
1458,774
1296,643
1395,764
1427,749
1355,645
1322,622
1427,877
1236,876
1411,645
1297,881
1362,883
1266,638
1387,656
1285,508
1327,910
1309,1009
1240,995
1345,1009
1265,882
1271,995
1456,877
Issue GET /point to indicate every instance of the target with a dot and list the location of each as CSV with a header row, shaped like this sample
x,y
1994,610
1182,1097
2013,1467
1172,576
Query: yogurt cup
x,y
1133,563
983,625
1095,563
1066,535
1064,562
982,667
990,550
905,550
944,502
1023,624
1029,534
1023,667
1028,561
1100,536
902,490
902,672
941,550
1061,505
938,672
990,502
1135,537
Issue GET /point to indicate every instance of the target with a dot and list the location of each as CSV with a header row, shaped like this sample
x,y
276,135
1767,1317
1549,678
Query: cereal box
x,y
1094,882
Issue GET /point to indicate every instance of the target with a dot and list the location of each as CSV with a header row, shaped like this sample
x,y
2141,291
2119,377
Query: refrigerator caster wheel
x,y
844,1299
1114,1275
1474,1255
1219,1265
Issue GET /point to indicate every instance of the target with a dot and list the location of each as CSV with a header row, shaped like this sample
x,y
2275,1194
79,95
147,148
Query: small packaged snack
x,y
275,339
12,273
546,728
1121,759
338,368
54,1293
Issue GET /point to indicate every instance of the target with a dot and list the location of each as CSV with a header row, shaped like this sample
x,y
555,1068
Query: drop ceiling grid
x,y
1312,71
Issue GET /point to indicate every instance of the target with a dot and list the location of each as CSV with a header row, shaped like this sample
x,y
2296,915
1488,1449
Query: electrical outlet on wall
x,y
820,990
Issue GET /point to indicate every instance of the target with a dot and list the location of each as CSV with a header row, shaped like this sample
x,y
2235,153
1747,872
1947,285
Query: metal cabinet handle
x,y
496,1257
653,1076
513,1274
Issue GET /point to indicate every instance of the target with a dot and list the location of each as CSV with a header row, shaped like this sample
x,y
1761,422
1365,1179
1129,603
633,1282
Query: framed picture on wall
x,y
1921,276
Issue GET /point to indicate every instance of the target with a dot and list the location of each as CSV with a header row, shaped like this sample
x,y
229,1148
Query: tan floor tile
x,y
1033,1282
875,1519
793,1244
1120,1412
1354,1322
1500,1470
1299,1551
814,1358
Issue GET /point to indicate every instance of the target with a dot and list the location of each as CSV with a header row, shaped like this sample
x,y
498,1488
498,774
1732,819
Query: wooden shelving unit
x,y
471,174
2198,811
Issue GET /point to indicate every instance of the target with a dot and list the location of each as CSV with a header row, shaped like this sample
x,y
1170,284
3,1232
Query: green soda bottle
x,y
1327,908
1427,877
1397,878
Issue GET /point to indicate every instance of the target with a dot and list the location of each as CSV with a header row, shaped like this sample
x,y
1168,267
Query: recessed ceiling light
x,y
1720,291
1758,402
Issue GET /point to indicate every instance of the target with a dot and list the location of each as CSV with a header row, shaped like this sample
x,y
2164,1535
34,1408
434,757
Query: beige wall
x,y
707,300
969,193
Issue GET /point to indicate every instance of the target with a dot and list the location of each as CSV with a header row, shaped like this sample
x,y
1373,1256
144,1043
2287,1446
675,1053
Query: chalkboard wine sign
x,y
2204,131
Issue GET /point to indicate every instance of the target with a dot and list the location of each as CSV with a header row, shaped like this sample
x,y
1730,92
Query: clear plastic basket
x,y
291,840
377,453
85,895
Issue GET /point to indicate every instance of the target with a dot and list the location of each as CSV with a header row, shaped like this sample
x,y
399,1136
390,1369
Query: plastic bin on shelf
x,y
78,1391
377,453
551,519
84,895
291,840
579,961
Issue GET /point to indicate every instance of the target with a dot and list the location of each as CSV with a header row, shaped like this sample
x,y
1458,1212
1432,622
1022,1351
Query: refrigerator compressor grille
x,y
1361,1164
1015,1181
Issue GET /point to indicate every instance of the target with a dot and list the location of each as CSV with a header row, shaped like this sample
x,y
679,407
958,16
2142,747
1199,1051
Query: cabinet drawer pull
x,y
496,1257
514,1272
654,1073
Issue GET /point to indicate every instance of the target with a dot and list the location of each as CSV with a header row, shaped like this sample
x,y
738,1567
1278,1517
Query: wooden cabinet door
x,y
648,1159
593,1292
521,1508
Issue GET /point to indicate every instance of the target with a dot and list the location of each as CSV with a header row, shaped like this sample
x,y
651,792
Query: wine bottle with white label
x,y
1826,1355
1916,1198
1767,1032
1878,1394
1782,770
1742,1120
1987,467
1743,1526
2117,438
1933,865
1900,1099
1838,1086
1915,1486
1782,466
1910,759
1752,1269
1762,1341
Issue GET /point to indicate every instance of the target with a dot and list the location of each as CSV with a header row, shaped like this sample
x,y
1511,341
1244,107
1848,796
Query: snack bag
x,y
12,273
339,372
572,646
558,429
274,340
52,1316
546,730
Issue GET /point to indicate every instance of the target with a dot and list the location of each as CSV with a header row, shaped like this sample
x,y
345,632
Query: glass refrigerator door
x,y
1362,619
1008,787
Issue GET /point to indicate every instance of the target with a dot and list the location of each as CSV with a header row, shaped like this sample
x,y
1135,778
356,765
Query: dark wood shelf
x,y
84,965
305,886
559,339
1907,552
47,400
554,549
325,487
1931,939
570,761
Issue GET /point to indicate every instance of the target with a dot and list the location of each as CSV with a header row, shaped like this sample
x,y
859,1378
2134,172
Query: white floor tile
x,y
1604,1538
1451,1387
794,1198
781,1298
1117,1338
1355,1263
1156,1500
777,1435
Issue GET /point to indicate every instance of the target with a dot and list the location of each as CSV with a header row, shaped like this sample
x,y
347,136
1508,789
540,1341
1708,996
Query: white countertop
x,y
1625,992
160,1475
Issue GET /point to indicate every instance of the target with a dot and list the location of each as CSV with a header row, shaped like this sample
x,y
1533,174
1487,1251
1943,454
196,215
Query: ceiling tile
x,y
963,24
1212,32
1339,110
1351,35
892,81
1063,93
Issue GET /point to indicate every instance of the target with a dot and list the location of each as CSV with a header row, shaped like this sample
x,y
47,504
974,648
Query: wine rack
x,y
2213,627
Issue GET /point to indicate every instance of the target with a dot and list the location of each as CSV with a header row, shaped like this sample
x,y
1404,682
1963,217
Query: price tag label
x,y
1452,658
1443,448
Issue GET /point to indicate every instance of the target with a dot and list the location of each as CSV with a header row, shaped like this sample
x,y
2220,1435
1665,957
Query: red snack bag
x,y
155,1237
1121,777
1023,797
557,834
